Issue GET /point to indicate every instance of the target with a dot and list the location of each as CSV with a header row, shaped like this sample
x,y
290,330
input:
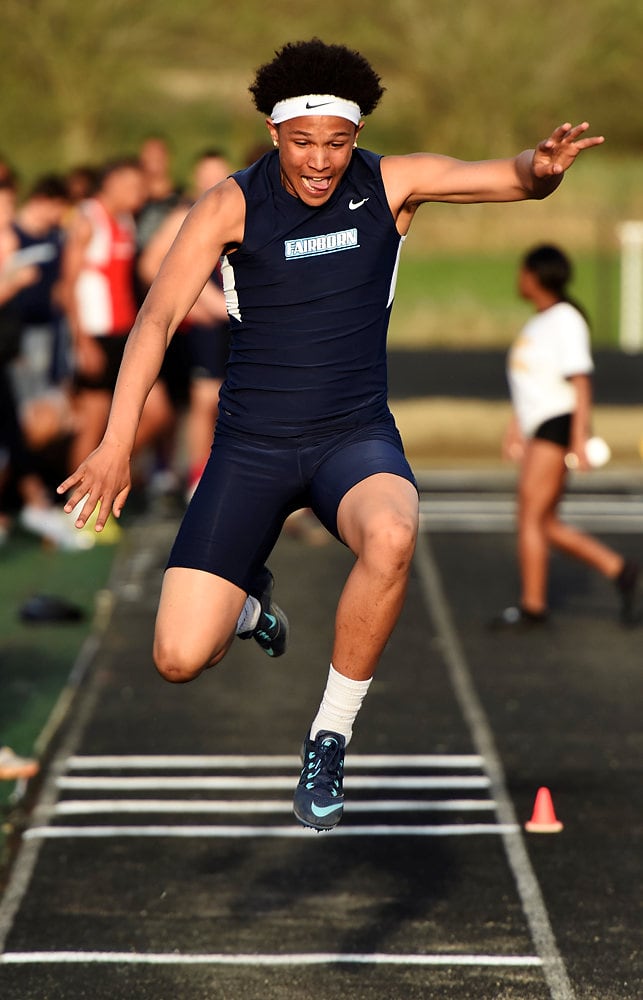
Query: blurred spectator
x,y
549,372
98,295
206,327
15,768
161,194
40,372
81,183
21,486
7,173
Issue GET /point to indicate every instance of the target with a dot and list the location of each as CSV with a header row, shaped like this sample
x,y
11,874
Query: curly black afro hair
x,y
316,68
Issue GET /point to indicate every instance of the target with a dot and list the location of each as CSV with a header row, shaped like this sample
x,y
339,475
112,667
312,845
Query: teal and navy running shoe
x,y
271,631
319,797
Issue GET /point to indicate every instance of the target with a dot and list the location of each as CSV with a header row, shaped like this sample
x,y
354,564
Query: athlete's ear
x,y
358,129
274,131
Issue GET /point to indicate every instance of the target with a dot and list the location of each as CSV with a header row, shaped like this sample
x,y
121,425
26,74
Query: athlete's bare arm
x,y
216,221
535,173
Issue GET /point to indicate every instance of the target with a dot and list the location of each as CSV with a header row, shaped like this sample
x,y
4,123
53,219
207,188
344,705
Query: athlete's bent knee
x,y
178,664
391,543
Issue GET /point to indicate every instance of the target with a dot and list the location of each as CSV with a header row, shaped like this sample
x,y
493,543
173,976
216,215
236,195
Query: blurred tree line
x,y
82,80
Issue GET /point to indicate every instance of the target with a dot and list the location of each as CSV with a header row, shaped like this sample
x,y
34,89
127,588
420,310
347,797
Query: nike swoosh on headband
x,y
322,104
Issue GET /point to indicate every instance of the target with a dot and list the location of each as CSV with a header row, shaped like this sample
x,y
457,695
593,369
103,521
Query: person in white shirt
x,y
549,372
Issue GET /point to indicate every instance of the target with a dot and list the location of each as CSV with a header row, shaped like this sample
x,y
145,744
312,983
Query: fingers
x,y
92,499
87,509
559,151
571,134
594,140
76,479
76,498
119,502
92,496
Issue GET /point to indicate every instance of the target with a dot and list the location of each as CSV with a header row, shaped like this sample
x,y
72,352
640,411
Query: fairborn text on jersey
x,y
310,246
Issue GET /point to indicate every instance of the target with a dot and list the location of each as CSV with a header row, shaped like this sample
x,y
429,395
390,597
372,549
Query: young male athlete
x,y
310,237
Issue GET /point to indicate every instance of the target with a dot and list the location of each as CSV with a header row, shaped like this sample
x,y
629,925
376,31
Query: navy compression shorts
x,y
252,483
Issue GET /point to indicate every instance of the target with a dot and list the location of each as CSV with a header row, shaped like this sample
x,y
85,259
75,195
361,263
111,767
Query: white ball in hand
x,y
598,452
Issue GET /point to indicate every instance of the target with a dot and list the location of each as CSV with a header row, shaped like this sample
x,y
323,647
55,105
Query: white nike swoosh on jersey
x,y
356,204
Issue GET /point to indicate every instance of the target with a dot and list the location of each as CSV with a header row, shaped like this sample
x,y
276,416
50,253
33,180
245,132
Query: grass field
x,y
36,659
469,300
457,280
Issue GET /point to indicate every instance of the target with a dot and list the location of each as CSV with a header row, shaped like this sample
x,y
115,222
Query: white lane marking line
x,y
377,830
482,512
152,762
266,783
91,807
314,958
533,904
447,503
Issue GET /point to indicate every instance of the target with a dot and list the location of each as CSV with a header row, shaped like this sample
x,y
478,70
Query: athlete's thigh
x,y
365,454
375,505
238,509
542,477
197,612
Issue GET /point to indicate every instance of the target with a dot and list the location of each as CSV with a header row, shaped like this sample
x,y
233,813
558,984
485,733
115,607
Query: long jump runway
x,y
162,859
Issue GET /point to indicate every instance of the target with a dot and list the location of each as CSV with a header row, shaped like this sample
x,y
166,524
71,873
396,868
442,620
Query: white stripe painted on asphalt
x,y
488,513
266,783
531,898
175,762
92,807
305,958
377,830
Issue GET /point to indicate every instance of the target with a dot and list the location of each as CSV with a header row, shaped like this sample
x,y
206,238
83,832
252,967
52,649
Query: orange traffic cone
x,y
543,819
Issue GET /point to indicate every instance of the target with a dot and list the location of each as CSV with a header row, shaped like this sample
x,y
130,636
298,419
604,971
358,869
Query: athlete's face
x,y
314,153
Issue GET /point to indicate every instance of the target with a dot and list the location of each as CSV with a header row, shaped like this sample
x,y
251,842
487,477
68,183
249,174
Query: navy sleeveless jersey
x,y
309,294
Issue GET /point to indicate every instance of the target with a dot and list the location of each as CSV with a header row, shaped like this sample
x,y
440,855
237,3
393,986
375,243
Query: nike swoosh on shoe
x,y
321,811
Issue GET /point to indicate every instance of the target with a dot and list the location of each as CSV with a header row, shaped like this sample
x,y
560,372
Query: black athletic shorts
x,y
251,484
113,348
557,430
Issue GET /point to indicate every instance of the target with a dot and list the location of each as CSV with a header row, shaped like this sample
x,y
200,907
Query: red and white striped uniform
x,y
104,289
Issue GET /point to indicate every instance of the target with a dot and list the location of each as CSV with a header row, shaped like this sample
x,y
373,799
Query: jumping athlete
x,y
310,237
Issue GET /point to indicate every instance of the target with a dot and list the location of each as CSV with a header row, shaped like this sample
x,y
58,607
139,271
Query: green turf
x,y
36,659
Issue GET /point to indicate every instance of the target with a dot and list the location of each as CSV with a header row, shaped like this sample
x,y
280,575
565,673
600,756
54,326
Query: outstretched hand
x,y
556,154
102,479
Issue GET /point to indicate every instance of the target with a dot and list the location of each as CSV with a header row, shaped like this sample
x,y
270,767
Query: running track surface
x,y
162,860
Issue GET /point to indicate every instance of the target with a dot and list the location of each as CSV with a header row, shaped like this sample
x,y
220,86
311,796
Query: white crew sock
x,y
340,704
249,615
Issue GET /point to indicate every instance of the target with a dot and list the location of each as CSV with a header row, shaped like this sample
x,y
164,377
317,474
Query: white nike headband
x,y
315,104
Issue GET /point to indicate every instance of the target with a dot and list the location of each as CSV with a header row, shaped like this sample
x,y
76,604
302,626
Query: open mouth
x,y
316,185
